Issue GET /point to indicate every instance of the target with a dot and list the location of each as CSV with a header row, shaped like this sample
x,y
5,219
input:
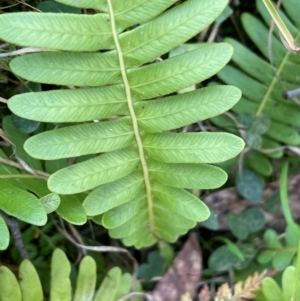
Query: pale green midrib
x,y
134,120
276,76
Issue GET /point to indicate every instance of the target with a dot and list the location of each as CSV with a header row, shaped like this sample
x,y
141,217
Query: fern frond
x,y
139,172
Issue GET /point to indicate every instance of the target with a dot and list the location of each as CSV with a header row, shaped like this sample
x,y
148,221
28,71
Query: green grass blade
x,y
284,194
288,38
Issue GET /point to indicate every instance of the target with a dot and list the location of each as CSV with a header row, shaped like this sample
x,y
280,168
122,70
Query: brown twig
x,y
3,100
38,173
104,249
15,231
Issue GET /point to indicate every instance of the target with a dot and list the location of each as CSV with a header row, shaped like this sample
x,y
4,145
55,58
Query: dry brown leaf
x,y
252,283
224,293
186,297
7,141
204,294
182,277
242,289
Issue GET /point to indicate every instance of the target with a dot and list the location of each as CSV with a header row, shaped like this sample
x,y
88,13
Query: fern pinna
x,y
28,286
123,102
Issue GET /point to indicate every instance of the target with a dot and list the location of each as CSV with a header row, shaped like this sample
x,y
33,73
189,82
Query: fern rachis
x,y
139,181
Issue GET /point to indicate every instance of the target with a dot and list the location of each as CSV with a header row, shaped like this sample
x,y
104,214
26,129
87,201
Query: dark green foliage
x,y
249,185
153,267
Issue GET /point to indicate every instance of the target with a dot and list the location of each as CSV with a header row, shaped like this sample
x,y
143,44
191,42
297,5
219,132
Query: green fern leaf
x,y
175,111
94,172
71,210
81,140
30,284
86,280
18,140
114,193
271,290
4,234
192,147
9,286
21,204
114,286
60,272
139,172
187,175
71,105
50,202
109,286
127,13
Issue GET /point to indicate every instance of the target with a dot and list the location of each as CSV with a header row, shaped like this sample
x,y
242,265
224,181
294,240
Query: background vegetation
x,y
249,242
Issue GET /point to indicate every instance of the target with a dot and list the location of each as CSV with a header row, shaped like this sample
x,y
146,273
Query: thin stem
x,y
134,119
3,100
137,294
288,39
23,51
267,95
102,249
17,176
38,173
